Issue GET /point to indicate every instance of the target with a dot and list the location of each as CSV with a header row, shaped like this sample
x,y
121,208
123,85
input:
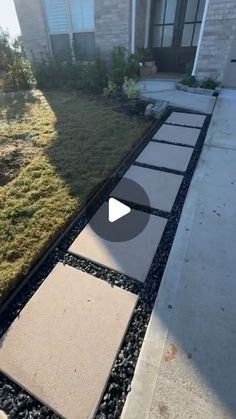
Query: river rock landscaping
x,y
16,402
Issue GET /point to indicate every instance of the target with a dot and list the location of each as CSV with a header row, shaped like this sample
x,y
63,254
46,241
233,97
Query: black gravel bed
x,y
18,403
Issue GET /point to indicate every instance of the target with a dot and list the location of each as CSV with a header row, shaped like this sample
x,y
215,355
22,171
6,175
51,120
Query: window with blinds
x,y
71,18
82,15
57,16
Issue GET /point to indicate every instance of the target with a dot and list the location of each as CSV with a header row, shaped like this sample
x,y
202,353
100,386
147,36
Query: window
x,y
71,19
163,22
192,22
82,15
57,16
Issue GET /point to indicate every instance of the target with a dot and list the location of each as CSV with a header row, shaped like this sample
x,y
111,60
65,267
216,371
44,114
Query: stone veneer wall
x,y
34,33
218,34
112,24
141,8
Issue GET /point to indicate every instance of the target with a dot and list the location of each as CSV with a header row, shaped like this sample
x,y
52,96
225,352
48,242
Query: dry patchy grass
x,y
58,148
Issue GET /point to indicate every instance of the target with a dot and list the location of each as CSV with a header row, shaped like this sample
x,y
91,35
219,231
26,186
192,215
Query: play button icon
x,y
118,219
117,210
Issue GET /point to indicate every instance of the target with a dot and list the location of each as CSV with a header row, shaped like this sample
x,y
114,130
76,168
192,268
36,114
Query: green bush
x,y
118,65
123,65
190,81
6,51
18,76
132,66
92,76
54,72
17,72
209,83
86,76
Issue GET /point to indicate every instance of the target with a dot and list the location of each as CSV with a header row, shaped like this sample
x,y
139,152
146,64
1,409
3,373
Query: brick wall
x,y
218,34
112,24
32,24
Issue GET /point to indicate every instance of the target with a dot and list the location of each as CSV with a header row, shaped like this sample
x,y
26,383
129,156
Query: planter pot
x,y
149,70
149,63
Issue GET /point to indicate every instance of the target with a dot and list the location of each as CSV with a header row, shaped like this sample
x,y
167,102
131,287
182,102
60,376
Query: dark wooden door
x,y
174,31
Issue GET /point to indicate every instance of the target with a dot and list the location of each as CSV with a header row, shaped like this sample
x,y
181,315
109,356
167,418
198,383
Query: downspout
x,y
133,26
147,27
70,30
200,37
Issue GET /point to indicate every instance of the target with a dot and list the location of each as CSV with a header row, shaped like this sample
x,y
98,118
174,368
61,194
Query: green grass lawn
x,y
55,148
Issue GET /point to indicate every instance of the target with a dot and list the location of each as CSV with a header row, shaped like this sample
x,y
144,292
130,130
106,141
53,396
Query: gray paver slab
x,y
132,257
175,134
188,119
62,346
161,187
191,101
166,155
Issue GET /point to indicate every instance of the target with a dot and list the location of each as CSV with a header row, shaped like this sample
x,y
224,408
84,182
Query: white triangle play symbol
x,y
117,210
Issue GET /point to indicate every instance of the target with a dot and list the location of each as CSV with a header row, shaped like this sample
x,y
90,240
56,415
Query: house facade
x,y
180,33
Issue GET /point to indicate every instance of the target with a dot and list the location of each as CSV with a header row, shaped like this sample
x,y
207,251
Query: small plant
x,y
209,83
190,81
132,91
110,90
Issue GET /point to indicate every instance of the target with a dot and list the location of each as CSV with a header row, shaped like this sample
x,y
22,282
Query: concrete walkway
x,y
187,365
150,90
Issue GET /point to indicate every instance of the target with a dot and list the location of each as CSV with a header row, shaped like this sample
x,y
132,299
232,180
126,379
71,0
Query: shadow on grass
x,y
13,106
91,140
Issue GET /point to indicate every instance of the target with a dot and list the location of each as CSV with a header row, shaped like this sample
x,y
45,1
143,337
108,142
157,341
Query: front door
x,y
174,31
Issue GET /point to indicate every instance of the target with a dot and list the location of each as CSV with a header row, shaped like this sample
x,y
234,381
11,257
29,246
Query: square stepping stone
x,y
166,155
132,258
188,119
62,346
161,187
175,134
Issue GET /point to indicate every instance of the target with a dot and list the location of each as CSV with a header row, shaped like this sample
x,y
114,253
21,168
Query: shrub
x,y
6,51
190,81
54,72
17,73
132,91
110,90
123,65
92,76
118,65
209,83
86,76
18,76
132,66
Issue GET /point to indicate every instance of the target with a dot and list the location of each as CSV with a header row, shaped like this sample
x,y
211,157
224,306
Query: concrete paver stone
x,y
175,134
132,257
188,119
166,155
62,346
161,187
